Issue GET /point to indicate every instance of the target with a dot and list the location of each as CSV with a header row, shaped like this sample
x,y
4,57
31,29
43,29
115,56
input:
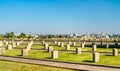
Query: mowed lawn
x,y
14,66
64,48
68,56
106,59
37,45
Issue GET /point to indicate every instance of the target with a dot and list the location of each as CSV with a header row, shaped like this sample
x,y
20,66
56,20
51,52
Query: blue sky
x,y
59,16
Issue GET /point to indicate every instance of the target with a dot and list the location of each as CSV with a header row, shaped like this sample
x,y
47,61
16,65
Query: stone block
x,y
115,52
50,49
54,54
24,52
95,56
68,47
78,50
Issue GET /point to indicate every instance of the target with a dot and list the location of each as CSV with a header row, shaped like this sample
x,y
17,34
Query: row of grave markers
x,y
61,44
27,49
10,45
78,50
94,48
54,54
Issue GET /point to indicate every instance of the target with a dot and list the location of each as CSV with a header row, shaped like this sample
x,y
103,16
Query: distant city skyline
x,y
59,16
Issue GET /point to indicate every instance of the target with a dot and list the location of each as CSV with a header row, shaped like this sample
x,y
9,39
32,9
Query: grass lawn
x,y
37,46
88,48
24,43
68,56
20,46
14,66
74,48
71,48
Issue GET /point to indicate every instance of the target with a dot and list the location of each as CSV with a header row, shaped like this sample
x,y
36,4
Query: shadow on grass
x,y
101,46
74,53
88,61
108,55
63,50
49,58
46,52
53,45
19,55
88,45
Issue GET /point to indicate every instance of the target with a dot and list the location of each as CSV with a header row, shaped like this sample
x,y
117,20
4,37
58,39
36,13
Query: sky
x,y
59,16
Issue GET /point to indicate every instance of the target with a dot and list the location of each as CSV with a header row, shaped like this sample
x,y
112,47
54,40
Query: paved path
x,y
77,66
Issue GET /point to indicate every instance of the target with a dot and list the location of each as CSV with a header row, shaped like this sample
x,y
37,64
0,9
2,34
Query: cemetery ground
x,y
37,51
14,66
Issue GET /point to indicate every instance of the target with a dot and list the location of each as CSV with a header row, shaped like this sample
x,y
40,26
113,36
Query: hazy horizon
x,y
59,16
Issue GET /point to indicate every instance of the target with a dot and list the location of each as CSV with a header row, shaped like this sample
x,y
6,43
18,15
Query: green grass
x,y
39,54
36,42
20,46
98,49
24,43
37,46
74,48
14,66
13,52
71,48
58,48
109,60
69,56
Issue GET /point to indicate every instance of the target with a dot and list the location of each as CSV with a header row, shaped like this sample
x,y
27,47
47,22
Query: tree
x,y
60,36
9,35
1,36
50,36
30,37
22,35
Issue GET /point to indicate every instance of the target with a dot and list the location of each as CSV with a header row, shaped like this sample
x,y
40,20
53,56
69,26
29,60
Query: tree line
x,y
11,35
